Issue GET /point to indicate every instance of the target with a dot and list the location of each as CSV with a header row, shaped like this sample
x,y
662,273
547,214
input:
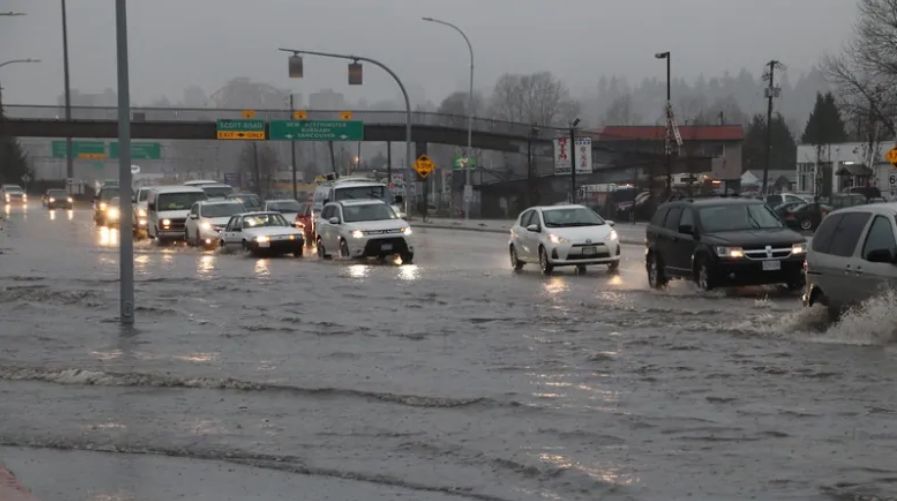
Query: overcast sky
x,y
177,43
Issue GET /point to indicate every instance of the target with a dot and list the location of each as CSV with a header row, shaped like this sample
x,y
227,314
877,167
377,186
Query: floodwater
x,y
450,378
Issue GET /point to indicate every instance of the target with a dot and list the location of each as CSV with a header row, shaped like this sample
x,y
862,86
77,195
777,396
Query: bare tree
x,y
259,161
456,104
866,71
622,112
538,99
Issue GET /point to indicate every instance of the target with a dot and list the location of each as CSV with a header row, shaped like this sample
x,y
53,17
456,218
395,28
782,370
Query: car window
x,y
194,211
570,217
368,212
848,232
672,220
880,236
524,218
688,218
659,216
822,240
738,217
233,224
327,213
774,200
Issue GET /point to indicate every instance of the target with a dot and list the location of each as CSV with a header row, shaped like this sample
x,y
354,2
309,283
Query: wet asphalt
x,y
451,378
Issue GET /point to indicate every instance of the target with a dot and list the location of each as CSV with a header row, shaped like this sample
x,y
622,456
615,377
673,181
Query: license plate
x,y
386,247
265,244
590,251
772,265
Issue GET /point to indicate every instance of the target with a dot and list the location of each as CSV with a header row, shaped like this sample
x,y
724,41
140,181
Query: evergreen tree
x,y
784,149
825,125
13,161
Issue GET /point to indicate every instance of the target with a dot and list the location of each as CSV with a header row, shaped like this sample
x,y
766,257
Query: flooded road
x,y
452,378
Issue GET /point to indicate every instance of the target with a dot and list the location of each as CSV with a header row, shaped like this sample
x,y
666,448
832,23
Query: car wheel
x,y
806,224
189,242
656,275
407,257
343,249
614,267
322,252
245,246
221,243
581,269
516,263
298,251
702,275
796,283
544,264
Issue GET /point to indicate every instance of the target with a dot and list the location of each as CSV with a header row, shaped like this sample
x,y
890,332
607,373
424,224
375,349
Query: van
x,y
853,257
167,208
354,188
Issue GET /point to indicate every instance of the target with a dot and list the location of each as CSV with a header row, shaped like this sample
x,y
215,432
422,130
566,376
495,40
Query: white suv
x,y
206,220
363,228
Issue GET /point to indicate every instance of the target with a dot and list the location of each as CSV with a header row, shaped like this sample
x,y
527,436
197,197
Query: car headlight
x,y
799,249
556,239
205,225
166,222
70,200
7,197
113,213
292,237
24,197
103,205
614,235
141,212
262,238
406,231
52,200
730,252
357,234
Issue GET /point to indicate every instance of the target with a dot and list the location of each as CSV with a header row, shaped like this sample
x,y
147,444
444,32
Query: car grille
x,y
176,225
383,232
759,254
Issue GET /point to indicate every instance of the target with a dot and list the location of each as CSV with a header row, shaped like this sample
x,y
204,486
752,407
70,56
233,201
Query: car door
x,y
876,277
335,229
839,271
682,247
192,223
669,241
233,232
522,239
324,227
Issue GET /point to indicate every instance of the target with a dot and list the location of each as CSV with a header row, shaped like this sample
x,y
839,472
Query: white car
x,y
262,233
206,220
200,182
167,209
13,194
288,207
363,228
217,190
563,235
138,211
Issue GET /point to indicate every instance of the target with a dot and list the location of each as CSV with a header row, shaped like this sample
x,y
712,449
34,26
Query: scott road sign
x,y
241,129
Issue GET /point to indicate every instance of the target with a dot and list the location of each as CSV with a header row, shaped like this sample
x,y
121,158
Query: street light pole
x,y
573,125
408,155
468,190
293,153
771,92
126,237
668,146
69,168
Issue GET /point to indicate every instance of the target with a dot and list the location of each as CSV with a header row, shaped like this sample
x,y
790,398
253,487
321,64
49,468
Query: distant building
x,y
833,168
326,99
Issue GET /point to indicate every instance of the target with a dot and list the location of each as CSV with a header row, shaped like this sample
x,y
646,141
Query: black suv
x,y
723,241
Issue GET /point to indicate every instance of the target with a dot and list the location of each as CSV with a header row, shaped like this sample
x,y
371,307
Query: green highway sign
x,y
460,162
316,130
81,149
240,129
139,151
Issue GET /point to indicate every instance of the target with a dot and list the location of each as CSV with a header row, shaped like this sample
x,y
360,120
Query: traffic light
x,y
295,66
355,73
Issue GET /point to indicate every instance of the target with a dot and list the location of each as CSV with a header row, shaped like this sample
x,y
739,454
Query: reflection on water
x,y
70,214
140,262
610,475
409,272
262,268
206,265
108,237
7,208
52,214
359,270
197,357
555,286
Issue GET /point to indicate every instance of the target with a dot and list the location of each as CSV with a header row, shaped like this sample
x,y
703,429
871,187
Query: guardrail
x,y
373,117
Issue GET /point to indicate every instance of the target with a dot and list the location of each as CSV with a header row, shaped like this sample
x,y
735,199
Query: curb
x,y
11,489
626,241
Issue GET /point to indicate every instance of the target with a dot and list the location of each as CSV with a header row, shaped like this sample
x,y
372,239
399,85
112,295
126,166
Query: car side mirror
x,y
881,256
609,222
326,201
194,216
533,228
687,229
151,206
333,220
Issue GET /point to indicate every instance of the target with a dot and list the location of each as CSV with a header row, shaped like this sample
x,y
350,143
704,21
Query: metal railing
x,y
370,117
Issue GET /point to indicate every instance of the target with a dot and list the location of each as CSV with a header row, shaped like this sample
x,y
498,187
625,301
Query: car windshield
x,y
285,206
57,194
375,192
178,201
738,217
249,200
142,195
577,216
217,191
222,210
13,189
259,220
368,212
107,194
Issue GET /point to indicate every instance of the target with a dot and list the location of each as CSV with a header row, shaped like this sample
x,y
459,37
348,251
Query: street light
x,y
13,61
573,125
296,63
12,13
468,190
69,164
668,146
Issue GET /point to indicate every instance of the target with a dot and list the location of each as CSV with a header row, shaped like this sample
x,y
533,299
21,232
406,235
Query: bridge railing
x,y
373,117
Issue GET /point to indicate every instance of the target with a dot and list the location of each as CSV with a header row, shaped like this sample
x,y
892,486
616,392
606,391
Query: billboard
x,y
562,155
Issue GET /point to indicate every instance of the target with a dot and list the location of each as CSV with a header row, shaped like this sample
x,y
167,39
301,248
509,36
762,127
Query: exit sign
x,y
240,129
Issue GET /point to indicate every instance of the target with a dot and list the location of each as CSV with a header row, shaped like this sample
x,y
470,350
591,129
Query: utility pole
x,y
771,93
126,237
668,145
573,125
69,167
293,153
